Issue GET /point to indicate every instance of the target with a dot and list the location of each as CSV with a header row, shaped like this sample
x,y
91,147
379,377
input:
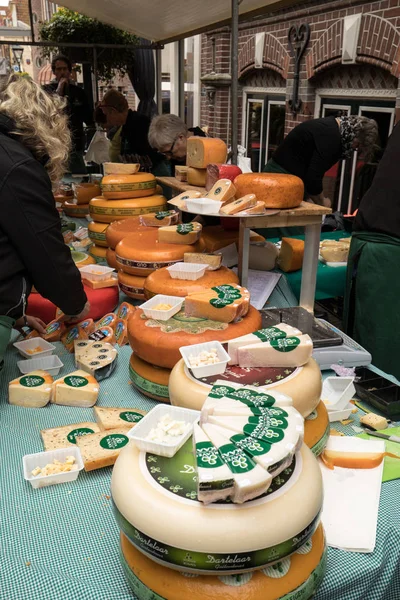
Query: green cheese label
x,y
31,381
267,428
252,398
114,441
185,228
71,437
207,456
236,459
251,445
148,387
218,191
220,391
286,344
76,381
227,294
163,214
131,416
270,333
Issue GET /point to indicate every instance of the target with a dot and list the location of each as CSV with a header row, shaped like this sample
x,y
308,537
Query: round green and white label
x,y
131,416
76,381
185,228
161,215
207,456
114,441
71,437
285,344
31,381
236,459
270,333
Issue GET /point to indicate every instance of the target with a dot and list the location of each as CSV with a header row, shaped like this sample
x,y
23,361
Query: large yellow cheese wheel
x,y
98,252
97,233
76,211
117,230
215,237
316,429
141,253
118,187
131,285
297,577
276,190
111,258
196,176
107,211
150,380
158,342
161,282
201,151
303,385
211,540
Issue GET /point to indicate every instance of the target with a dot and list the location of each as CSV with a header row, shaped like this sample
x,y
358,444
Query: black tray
x,y
379,392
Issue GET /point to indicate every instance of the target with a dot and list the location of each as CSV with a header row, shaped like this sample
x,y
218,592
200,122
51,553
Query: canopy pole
x,y
181,79
234,79
95,77
31,20
159,81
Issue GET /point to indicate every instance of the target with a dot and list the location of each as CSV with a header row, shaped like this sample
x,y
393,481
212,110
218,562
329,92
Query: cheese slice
x,y
292,351
281,330
214,478
87,326
71,334
223,191
96,358
337,253
111,418
160,219
213,261
109,320
121,332
187,233
54,331
76,389
125,310
238,205
104,334
102,449
62,437
188,194
223,303
196,177
354,460
201,151
32,391
251,480
256,209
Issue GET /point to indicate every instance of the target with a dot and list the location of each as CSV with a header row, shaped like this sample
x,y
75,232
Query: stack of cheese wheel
x,y
78,207
161,282
201,151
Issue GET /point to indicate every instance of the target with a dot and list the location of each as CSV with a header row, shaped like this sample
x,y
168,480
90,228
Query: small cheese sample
x,y
162,307
213,261
373,421
76,389
167,430
201,151
109,320
223,191
187,233
96,358
279,331
61,437
181,172
291,255
111,418
34,350
104,334
196,177
257,209
160,219
102,449
121,332
125,310
214,478
56,467
284,352
32,391
223,303
72,334
237,206
251,480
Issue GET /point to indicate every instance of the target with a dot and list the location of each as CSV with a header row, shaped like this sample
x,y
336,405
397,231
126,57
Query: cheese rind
x,y
33,390
284,352
62,437
125,310
237,206
112,418
109,320
281,330
76,389
160,219
223,191
214,478
201,151
213,261
224,303
139,185
187,233
102,449
276,190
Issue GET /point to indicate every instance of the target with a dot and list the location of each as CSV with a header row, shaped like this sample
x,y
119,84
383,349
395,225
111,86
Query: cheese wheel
x,y
206,541
196,177
84,192
276,190
131,285
74,210
215,172
98,252
149,380
158,342
107,211
81,259
263,258
117,230
316,429
291,255
141,253
215,237
119,187
111,258
303,385
297,577
97,233
201,151
161,282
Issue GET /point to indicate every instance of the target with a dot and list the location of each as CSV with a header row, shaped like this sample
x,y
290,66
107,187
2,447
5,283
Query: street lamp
x,y
18,52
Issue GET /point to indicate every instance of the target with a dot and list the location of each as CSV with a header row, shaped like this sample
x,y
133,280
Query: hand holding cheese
x,y
32,391
283,352
76,389
224,303
187,233
223,191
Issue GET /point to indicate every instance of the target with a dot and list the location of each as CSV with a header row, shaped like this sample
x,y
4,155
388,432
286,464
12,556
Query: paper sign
x,y
261,284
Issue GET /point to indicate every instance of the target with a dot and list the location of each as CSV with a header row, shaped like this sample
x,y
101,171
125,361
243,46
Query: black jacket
x,y
32,249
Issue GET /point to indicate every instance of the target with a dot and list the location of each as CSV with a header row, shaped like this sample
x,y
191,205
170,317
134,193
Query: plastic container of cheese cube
x,y
52,364
205,370
41,459
188,271
203,206
141,430
96,272
27,348
162,315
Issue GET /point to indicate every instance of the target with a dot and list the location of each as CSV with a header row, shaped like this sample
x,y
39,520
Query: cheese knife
x,y
389,438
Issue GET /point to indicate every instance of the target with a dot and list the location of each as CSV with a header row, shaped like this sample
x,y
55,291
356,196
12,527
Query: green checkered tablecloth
x,y
61,542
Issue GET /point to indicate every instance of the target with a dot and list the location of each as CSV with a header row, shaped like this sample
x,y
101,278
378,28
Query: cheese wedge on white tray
x,y
76,389
32,391
96,358
214,478
281,330
251,480
292,351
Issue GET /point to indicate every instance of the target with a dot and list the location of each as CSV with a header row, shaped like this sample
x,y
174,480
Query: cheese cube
x,y
111,418
281,330
284,352
223,191
96,358
32,391
213,261
61,437
238,205
160,219
102,449
223,303
76,389
187,233
201,151
214,478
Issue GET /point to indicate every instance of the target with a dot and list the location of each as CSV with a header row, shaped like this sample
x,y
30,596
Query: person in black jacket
x,y
314,146
34,149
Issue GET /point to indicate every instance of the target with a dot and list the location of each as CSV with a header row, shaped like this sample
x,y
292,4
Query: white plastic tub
x,y
138,433
203,206
339,415
337,392
162,315
26,348
41,459
96,272
206,370
52,364
189,271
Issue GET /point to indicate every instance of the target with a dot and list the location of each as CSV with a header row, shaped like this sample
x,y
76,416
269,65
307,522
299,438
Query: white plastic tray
x,y
162,315
188,271
336,392
25,345
206,370
339,415
203,206
41,459
52,364
96,272
138,433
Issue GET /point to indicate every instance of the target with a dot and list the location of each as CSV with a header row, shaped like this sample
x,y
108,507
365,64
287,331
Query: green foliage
x,y
69,26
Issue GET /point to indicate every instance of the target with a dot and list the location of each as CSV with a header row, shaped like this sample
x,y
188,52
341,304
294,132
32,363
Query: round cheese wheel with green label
x,y
197,540
150,380
74,210
111,258
276,190
131,285
302,384
317,429
98,252
161,282
81,259
296,577
158,342
118,187
107,211
117,230
97,233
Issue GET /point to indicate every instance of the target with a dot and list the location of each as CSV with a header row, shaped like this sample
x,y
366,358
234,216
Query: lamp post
x,y
18,52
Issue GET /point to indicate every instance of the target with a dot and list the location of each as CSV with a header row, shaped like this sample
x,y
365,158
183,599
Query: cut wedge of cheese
x,y
213,261
111,418
117,187
354,460
223,191
102,449
121,332
125,310
337,253
187,233
62,437
76,389
201,151
291,255
71,334
32,391
96,358
251,480
109,320
263,257
256,209
196,177
223,303
277,332
54,330
214,478
160,219
87,326
293,351
188,194
237,206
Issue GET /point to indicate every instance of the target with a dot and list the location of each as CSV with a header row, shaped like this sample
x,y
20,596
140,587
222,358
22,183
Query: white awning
x,y
167,20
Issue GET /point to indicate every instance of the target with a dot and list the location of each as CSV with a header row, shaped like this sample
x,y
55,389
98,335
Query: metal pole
x,y
234,79
159,81
95,77
181,78
76,45
31,20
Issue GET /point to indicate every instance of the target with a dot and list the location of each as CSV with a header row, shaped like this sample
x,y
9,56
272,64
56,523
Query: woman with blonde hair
x,y
34,149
